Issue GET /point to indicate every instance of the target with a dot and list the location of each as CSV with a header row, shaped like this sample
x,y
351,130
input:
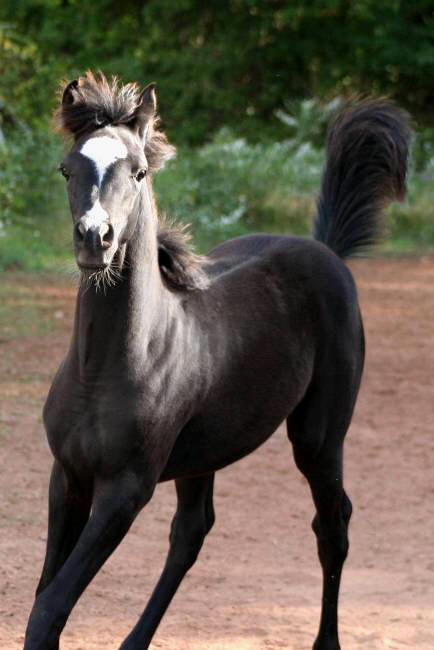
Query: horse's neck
x,y
113,328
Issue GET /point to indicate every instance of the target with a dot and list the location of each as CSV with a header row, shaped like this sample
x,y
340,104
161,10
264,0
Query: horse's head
x,y
115,148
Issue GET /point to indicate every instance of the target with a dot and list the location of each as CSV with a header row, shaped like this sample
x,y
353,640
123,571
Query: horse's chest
x,y
94,430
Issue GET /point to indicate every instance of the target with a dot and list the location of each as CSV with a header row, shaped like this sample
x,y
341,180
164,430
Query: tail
x,y
366,168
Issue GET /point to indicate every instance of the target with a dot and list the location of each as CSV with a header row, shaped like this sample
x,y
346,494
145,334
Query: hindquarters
x,y
316,429
332,322
322,417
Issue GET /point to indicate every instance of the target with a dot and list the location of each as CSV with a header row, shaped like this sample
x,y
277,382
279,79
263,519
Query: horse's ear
x,y
68,96
148,99
145,111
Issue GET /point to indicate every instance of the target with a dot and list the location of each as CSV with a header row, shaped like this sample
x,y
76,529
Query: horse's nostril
x,y
80,231
94,236
106,234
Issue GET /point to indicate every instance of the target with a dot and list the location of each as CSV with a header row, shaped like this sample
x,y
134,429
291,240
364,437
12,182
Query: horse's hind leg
x,y
333,511
193,520
317,429
68,512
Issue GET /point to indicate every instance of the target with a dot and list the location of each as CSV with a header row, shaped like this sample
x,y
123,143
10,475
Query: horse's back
x,y
300,287
302,267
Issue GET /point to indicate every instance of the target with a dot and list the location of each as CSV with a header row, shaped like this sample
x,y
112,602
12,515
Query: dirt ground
x,y
256,585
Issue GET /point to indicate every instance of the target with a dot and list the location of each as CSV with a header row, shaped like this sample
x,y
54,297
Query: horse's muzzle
x,y
94,243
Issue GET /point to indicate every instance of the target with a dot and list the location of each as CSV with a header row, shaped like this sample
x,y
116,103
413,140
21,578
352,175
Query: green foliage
x,y
24,248
225,188
32,200
228,63
410,225
29,181
423,149
236,80
230,187
307,120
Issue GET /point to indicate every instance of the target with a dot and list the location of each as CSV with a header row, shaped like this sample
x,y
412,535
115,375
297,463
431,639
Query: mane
x,y
99,103
181,268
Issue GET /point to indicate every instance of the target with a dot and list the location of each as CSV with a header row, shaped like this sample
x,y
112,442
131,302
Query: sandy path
x,y
256,585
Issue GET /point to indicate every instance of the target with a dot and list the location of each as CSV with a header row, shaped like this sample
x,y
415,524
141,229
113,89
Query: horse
x,y
180,364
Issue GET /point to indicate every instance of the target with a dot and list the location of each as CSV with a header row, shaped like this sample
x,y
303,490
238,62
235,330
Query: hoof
x,y
326,644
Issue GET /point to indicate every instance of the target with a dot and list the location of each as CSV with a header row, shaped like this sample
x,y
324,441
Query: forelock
x,y
98,103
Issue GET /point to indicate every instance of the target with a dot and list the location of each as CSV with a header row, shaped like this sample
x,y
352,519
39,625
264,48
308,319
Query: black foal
x,y
180,365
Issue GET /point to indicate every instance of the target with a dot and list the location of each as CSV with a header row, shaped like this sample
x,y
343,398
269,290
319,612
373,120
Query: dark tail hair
x,y
366,168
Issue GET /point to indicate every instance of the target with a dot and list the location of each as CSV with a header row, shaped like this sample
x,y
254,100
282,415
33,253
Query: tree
x,y
224,62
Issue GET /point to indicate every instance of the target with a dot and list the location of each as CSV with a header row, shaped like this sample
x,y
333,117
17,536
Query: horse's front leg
x,y
114,508
68,512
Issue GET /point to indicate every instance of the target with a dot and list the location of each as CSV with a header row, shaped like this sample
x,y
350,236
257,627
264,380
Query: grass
x,y
22,247
24,310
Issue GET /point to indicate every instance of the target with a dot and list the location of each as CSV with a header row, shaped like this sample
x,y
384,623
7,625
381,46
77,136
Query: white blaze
x,y
103,152
96,215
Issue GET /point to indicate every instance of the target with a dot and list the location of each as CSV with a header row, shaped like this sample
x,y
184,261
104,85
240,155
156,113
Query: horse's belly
x,y
232,426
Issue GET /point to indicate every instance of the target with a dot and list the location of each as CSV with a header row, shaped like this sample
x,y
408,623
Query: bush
x,y
32,199
224,189
31,189
410,225
230,187
232,62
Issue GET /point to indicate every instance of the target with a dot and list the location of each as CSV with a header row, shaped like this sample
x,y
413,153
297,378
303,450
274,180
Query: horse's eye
x,y
63,171
140,175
